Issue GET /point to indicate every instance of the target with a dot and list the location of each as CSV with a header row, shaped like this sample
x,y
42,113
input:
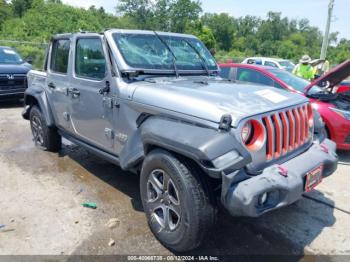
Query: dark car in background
x,y
333,107
13,74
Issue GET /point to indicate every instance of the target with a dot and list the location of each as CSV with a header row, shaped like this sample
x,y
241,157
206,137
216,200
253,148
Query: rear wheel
x,y
44,136
178,210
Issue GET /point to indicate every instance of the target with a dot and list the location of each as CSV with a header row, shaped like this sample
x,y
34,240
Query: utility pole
x,y
327,31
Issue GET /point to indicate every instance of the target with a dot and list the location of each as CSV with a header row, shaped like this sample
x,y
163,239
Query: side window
x,y
265,80
225,72
253,76
272,64
277,85
60,56
90,61
247,75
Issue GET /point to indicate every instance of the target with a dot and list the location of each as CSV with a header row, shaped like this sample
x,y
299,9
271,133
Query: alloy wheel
x,y
37,130
163,200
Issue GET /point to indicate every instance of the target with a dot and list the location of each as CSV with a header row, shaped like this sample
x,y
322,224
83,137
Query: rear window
x,y
59,56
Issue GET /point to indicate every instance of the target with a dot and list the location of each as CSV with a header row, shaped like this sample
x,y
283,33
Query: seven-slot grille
x,y
287,130
12,81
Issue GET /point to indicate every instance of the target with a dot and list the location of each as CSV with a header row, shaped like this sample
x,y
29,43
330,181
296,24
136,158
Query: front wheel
x,y
177,207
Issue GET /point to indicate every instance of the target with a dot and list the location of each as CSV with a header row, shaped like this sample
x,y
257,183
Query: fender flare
x,y
33,96
198,143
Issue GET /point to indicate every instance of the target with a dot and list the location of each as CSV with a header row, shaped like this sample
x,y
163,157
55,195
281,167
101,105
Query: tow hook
x,y
283,171
324,148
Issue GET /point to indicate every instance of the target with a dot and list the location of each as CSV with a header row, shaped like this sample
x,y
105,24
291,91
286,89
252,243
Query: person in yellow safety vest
x,y
322,68
304,69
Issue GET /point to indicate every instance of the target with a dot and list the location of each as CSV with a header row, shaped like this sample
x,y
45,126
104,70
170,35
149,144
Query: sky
x,y
314,10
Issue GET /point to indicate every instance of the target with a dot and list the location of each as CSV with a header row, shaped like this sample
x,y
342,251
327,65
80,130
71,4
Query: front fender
x,y
199,143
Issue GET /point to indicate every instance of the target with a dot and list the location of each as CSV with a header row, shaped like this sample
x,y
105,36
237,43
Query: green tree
x,y
165,15
233,37
21,6
202,32
162,15
223,26
5,11
339,53
140,11
183,12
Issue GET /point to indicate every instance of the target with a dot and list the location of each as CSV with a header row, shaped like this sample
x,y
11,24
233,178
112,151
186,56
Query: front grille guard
x,y
288,132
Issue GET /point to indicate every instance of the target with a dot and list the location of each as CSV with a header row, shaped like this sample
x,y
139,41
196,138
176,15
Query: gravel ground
x,y
41,195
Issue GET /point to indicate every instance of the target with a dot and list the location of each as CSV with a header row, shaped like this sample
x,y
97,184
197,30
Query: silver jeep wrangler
x,y
153,103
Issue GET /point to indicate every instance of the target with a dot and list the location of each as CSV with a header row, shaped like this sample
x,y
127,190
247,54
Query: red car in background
x,y
344,87
334,108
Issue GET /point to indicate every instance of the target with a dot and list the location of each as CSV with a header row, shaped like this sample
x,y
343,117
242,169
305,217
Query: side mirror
x,y
105,89
30,60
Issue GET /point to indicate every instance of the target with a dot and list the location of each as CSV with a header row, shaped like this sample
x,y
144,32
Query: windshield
x,y
147,51
289,66
293,81
9,56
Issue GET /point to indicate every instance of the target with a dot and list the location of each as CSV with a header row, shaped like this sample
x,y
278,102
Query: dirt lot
x,y
41,195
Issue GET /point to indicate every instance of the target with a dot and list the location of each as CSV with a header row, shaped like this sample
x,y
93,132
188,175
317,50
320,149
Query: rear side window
x,y
90,60
60,56
253,76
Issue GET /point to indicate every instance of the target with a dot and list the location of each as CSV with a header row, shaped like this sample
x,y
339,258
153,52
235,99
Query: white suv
x,y
273,62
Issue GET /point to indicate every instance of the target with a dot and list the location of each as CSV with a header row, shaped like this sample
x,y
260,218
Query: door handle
x,y
51,85
74,92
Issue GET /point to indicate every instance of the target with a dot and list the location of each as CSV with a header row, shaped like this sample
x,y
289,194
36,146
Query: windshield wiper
x,y
171,51
204,62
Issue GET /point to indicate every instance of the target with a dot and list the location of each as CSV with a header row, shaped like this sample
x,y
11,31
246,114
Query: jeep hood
x,y
210,100
333,77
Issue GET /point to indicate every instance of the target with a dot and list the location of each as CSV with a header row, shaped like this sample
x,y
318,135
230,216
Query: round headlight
x,y
253,135
246,132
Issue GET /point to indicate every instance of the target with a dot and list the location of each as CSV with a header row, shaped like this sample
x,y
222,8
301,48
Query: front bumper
x,y
241,193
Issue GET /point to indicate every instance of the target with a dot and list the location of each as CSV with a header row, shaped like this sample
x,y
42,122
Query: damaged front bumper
x,y
278,185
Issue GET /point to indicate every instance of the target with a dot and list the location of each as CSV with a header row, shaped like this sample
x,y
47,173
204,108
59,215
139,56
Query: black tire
x,y
44,137
191,215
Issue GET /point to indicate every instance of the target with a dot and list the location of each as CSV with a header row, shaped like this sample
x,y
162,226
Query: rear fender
x,y
37,96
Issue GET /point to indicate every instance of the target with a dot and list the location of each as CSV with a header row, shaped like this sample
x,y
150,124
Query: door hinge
x,y
116,103
109,133
108,102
